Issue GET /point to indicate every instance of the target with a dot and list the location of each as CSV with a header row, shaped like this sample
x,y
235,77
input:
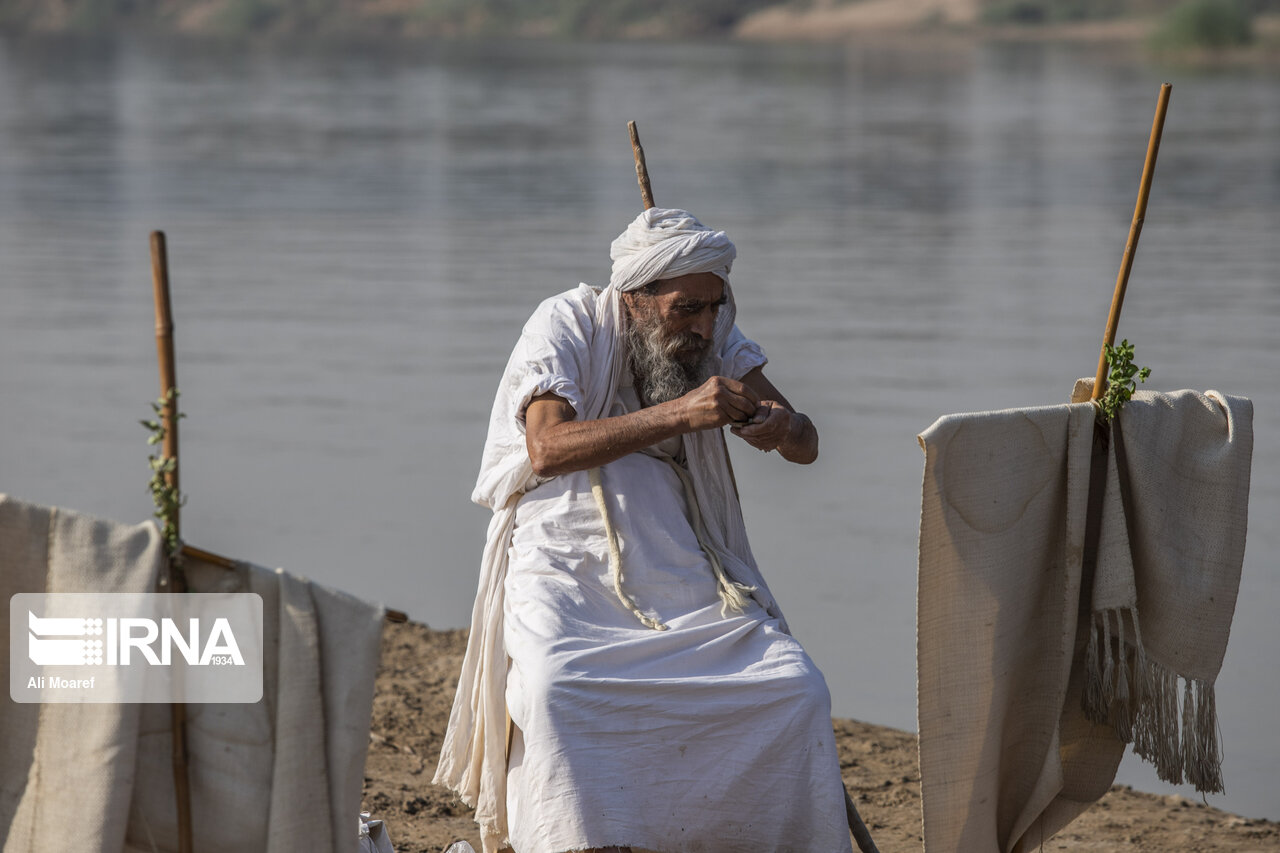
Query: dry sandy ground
x,y
411,707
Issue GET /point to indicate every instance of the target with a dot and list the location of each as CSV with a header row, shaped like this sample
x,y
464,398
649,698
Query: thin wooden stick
x,y
193,553
859,829
642,171
1135,231
177,583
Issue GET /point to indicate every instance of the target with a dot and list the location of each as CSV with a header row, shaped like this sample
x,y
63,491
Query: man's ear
x,y
629,303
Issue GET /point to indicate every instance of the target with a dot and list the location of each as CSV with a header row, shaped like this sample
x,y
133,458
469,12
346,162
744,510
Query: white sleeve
x,y
740,355
551,366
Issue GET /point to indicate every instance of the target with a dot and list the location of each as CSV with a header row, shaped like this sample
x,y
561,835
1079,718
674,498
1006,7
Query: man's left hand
x,y
768,428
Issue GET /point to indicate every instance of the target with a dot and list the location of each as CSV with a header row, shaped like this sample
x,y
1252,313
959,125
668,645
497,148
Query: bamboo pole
x,y
856,826
1135,231
164,352
177,583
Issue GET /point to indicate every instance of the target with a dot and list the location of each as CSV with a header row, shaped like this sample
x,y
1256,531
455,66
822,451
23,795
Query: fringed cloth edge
x,y
1140,699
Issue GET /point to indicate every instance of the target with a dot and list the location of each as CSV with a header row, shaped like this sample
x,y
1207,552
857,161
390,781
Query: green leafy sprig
x,y
164,495
1120,375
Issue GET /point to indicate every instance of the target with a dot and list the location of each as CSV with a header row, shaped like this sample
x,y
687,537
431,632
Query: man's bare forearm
x,y
801,444
568,446
559,444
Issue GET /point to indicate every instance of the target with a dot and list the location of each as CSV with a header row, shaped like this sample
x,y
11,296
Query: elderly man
x,y
629,680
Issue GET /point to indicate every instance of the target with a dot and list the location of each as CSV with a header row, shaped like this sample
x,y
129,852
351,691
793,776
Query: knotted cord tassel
x,y
1203,762
1156,738
615,556
733,595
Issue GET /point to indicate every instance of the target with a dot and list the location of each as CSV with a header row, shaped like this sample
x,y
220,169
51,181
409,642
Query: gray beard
x,y
661,375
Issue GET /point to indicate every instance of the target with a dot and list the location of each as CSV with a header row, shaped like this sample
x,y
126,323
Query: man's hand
x,y
770,426
776,425
717,402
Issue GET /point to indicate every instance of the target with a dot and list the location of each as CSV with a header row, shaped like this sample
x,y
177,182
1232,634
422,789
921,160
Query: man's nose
x,y
704,325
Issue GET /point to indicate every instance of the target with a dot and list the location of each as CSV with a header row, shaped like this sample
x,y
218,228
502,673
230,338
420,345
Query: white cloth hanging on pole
x,y
279,775
1007,751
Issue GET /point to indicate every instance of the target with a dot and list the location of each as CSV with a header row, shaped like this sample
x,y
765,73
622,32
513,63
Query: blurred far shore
x,y
1247,29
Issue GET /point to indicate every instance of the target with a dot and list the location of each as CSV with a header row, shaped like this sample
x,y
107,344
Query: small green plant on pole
x,y
164,493
1120,376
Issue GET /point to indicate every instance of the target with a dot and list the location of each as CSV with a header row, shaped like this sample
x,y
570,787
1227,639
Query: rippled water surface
x,y
357,232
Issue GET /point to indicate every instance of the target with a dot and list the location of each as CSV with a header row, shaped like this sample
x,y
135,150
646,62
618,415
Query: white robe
x,y
713,735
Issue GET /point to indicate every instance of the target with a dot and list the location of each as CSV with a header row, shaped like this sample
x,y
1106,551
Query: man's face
x,y
670,334
684,309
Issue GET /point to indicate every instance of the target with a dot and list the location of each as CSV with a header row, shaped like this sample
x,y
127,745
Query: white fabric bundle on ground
x,y
1008,753
279,775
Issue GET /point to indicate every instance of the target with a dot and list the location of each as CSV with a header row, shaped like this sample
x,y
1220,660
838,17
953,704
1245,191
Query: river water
x,y
357,232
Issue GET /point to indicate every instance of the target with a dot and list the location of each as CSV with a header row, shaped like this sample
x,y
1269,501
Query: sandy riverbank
x,y
411,707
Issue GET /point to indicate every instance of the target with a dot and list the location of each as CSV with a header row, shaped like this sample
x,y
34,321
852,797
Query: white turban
x,y
662,243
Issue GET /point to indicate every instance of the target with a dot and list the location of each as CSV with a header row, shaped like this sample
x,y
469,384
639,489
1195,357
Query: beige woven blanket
x,y
281,775
1009,654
